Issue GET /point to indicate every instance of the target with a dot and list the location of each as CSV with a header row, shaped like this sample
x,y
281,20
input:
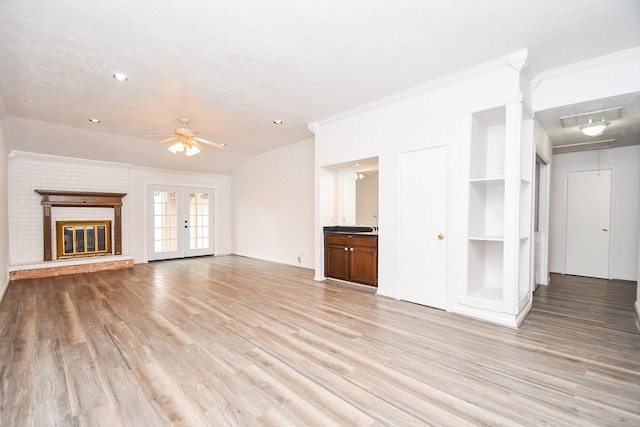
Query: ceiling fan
x,y
186,140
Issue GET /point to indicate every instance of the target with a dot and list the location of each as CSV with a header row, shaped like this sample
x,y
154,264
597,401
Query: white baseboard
x,y
637,307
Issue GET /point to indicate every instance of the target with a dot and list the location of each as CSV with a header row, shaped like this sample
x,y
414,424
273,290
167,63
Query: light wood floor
x,y
234,341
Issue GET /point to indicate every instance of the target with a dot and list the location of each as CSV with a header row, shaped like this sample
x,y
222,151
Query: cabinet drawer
x,y
364,241
336,239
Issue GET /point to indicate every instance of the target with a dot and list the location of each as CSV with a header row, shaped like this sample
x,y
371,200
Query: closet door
x,y
422,227
588,217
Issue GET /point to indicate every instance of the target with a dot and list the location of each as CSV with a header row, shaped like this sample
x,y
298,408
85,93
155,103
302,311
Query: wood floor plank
x,y
84,382
233,341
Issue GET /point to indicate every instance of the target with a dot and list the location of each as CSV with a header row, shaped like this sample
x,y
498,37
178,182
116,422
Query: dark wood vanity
x,y
351,253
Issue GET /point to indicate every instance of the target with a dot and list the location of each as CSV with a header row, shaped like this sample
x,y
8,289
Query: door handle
x,y
605,229
440,236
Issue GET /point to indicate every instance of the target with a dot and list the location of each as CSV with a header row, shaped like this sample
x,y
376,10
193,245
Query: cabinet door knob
x,y
351,249
346,249
605,229
440,236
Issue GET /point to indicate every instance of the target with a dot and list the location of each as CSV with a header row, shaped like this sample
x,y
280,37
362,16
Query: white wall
x,y
140,178
637,304
273,205
544,149
4,206
625,195
426,117
603,77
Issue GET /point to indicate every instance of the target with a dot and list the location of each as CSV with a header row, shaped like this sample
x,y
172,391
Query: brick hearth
x,y
59,268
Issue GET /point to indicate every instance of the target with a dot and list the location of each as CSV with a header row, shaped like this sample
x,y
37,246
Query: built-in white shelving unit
x,y
498,283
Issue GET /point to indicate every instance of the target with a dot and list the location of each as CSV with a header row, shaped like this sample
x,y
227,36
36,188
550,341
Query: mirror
x,y
359,201
349,193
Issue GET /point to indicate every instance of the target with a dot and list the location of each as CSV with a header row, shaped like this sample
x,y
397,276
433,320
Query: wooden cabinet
x,y
336,256
351,257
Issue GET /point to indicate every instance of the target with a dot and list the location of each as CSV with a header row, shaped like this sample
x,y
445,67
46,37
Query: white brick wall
x,y
28,172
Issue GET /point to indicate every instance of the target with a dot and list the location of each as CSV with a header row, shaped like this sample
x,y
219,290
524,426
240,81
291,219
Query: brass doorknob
x,y
605,229
440,236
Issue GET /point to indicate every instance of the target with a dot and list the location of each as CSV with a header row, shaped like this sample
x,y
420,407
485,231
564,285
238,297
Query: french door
x,y
180,222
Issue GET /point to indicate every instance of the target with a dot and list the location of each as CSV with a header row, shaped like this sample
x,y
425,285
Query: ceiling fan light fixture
x,y
594,129
192,150
178,147
187,141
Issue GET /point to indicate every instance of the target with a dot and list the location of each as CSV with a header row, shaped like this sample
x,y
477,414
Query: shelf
x,y
487,293
487,181
487,238
498,232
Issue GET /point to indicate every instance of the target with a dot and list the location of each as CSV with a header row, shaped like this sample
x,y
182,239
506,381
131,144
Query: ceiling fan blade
x,y
206,141
167,140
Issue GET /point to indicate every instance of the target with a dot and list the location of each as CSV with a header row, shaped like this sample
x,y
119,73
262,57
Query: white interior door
x,y
180,222
422,227
588,217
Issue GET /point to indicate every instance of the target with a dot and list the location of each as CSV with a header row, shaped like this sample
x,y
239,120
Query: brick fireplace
x,y
110,256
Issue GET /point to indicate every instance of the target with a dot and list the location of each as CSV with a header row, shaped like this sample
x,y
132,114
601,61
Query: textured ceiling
x,y
619,133
235,66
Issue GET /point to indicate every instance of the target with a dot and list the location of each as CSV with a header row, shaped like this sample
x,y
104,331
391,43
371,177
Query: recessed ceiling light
x,y
277,122
94,120
120,77
356,164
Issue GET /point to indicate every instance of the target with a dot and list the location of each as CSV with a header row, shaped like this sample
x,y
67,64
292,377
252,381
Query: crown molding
x,y
619,57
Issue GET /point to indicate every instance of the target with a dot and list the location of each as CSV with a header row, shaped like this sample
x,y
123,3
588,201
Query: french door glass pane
x,y
165,221
198,220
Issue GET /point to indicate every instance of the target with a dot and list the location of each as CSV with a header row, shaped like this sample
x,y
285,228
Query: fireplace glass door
x,y
83,238
180,222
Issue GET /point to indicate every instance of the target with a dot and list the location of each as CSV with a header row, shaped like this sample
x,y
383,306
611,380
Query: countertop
x,y
351,229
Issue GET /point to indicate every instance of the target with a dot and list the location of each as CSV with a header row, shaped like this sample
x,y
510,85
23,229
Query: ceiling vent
x,y
583,146
591,117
